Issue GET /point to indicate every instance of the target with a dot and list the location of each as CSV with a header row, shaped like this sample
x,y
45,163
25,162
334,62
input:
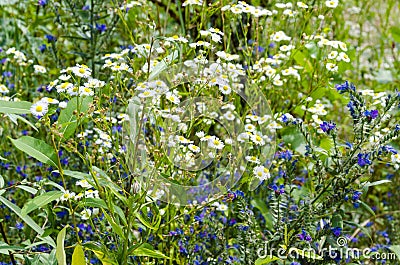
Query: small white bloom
x,y
39,109
86,213
332,3
261,172
39,69
253,159
331,67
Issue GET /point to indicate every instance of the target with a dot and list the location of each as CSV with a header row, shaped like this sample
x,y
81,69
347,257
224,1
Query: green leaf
x,y
326,144
146,250
302,60
366,207
362,228
147,223
41,201
78,257
95,202
60,252
337,220
262,206
28,189
67,118
103,258
17,117
396,250
5,247
15,107
116,227
1,182
294,137
369,184
395,31
36,148
161,66
269,259
25,218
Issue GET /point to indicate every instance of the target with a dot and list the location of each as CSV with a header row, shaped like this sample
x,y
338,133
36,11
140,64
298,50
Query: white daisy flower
x,y
84,184
257,139
253,159
3,89
194,148
225,89
261,173
39,109
86,213
216,143
172,97
50,100
332,3
331,67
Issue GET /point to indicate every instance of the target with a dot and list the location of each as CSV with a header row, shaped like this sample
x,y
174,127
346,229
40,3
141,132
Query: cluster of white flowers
x,y
19,57
243,7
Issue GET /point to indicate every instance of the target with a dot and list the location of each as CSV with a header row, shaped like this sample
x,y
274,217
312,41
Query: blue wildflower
x,y
371,114
327,126
42,48
50,38
336,231
363,160
101,28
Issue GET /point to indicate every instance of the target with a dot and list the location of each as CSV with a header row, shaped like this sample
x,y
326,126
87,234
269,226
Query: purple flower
x,y
101,28
19,225
42,48
42,2
371,114
50,38
336,231
346,86
304,236
327,126
356,195
363,160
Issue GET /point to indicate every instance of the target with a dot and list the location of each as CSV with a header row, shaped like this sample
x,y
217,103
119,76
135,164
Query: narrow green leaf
x,y
366,207
116,227
269,259
15,107
28,189
26,219
369,184
95,202
1,182
18,117
362,228
78,257
103,258
146,250
161,66
41,201
67,118
60,252
36,148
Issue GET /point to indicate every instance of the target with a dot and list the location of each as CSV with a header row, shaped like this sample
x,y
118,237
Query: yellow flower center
x,y
39,108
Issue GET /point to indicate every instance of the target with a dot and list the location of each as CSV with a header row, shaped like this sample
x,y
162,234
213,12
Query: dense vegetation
x,y
199,132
